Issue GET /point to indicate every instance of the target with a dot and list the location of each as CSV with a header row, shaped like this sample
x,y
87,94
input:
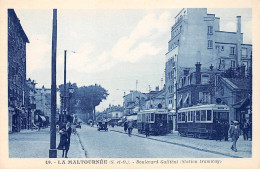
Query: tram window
x,y
223,116
183,116
192,115
197,115
152,117
208,115
188,116
203,115
179,117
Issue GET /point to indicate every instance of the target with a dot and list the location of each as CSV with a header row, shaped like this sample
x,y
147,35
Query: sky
x,y
121,50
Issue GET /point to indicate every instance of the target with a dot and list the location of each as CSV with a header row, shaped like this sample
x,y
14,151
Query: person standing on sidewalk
x,y
234,132
67,147
218,131
63,140
226,127
130,128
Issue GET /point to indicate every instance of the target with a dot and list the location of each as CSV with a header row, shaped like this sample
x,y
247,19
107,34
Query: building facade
x,y
196,37
43,102
17,40
134,102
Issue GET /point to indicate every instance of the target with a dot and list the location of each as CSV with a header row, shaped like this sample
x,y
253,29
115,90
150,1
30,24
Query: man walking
x,y
130,128
234,132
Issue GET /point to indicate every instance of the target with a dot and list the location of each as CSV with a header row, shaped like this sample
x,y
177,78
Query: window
x,y
189,117
205,79
182,116
232,50
203,115
222,48
197,115
179,116
210,30
192,115
208,115
210,43
233,64
152,117
244,52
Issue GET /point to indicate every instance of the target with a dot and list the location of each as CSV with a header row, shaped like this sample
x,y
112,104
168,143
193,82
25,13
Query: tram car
x,y
200,121
155,119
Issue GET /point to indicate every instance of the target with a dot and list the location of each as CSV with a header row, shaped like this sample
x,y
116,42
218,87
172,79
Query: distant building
x,y
196,37
43,103
114,113
155,99
134,102
17,40
30,103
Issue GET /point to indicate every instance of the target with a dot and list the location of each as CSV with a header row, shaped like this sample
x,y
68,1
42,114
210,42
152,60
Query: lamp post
x,y
71,91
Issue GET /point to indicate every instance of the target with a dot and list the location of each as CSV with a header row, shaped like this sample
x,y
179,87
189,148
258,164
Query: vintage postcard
x,y
129,84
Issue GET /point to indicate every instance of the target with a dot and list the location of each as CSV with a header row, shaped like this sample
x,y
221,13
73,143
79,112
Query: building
x,y
30,103
196,37
17,40
43,104
155,99
114,113
134,102
237,94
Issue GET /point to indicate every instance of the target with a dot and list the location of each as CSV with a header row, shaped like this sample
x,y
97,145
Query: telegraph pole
x,y
53,150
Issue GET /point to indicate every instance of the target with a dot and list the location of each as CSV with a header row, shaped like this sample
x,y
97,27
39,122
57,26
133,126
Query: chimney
x,y
211,67
198,73
238,24
186,71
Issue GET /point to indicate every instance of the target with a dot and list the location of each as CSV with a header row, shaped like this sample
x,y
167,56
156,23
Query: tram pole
x,y
53,150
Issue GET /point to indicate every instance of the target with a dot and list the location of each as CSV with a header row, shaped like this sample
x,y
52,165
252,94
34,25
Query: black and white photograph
x,y
149,86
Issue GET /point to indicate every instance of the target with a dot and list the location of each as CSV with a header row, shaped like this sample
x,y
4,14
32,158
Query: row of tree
x,y
84,99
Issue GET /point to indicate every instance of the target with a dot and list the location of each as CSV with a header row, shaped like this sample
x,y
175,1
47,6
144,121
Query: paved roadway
x,y
111,144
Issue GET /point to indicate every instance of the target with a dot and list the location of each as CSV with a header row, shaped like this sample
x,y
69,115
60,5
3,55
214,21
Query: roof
x,y
238,83
12,12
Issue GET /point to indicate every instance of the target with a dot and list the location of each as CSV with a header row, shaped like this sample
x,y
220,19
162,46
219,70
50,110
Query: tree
x,y
89,97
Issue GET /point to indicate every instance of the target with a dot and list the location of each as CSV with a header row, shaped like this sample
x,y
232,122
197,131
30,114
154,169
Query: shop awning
x,y
180,100
43,118
185,101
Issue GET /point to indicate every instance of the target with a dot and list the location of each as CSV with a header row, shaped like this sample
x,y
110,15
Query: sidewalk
x,y
223,147
36,144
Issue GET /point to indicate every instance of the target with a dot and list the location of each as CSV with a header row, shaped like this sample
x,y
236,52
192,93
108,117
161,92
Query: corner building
x,y
196,37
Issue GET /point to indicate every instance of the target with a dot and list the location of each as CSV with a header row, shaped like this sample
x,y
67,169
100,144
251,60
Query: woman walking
x,y
63,140
67,147
125,127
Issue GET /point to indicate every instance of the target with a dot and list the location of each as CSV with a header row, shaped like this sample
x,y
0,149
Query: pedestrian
x,y
250,129
245,130
218,131
67,147
125,126
63,140
147,130
130,128
234,132
226,127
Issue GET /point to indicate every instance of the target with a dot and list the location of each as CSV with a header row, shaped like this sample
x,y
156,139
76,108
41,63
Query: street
x,y
116,144
90,143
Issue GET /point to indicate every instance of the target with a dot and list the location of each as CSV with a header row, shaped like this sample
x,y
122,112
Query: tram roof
x,y
154,110
208,106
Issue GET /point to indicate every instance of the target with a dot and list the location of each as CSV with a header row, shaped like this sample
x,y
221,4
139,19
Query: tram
x,y
156,119
200,121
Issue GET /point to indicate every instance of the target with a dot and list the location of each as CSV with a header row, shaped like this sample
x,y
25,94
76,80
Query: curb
x,y
82,147
182,145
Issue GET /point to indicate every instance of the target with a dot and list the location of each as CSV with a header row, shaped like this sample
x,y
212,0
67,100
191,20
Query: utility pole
x,y
53,150
136,84
64,88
